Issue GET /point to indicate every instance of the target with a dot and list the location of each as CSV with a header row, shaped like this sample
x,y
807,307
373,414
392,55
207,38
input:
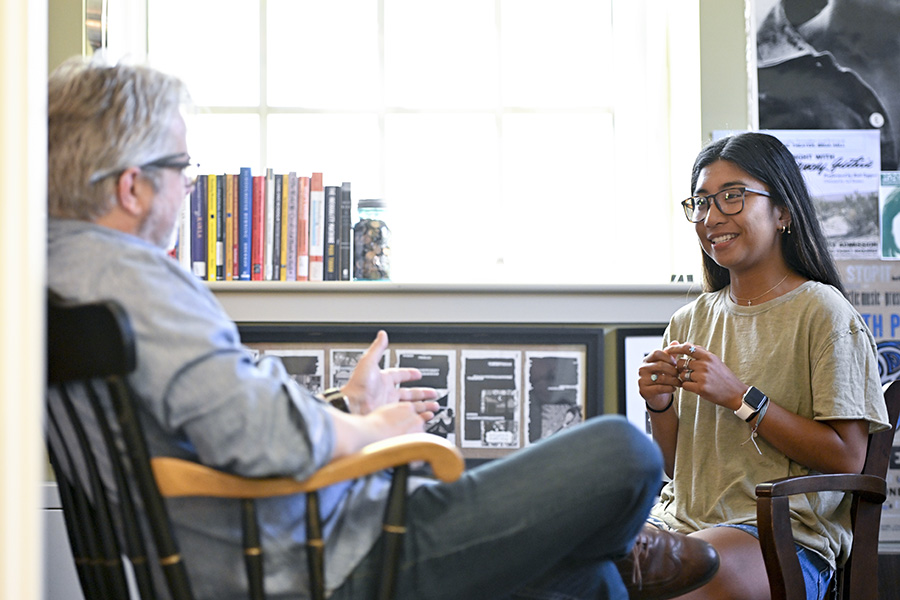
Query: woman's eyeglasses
x,y
729,202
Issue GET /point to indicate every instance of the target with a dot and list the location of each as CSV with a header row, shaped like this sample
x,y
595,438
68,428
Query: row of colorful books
x,y
272,227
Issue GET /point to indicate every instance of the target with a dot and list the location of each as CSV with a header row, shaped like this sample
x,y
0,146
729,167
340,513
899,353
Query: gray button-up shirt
x,y
205,398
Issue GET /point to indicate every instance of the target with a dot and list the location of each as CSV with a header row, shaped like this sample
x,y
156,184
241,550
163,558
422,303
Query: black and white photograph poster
x,y
438,368
341,364
306,367
830,64
554,384
491,397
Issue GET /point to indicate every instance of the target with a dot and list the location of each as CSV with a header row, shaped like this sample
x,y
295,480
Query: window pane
x,y
341,147
224,143
213,45
323,54
441,179
556,174
502,134
440,54
566,64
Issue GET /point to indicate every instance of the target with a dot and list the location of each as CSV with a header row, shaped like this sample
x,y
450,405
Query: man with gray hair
x,y
546,521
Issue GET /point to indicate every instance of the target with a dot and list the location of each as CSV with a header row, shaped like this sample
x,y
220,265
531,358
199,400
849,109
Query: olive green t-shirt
x,y
810,352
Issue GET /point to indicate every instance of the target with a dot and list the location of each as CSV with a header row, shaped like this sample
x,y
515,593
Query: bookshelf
x,y
389,302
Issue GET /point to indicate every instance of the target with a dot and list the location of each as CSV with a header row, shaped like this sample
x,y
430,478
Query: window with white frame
x,y
515,141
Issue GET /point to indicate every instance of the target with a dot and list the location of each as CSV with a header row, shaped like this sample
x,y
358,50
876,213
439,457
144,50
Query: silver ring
x,y
691,349
687,375
654,377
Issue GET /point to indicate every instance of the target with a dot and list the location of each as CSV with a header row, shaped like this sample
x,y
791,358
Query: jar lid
x,y
372,203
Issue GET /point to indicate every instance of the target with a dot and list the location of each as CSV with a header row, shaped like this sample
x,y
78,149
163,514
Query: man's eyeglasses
x,y
178,162
729,202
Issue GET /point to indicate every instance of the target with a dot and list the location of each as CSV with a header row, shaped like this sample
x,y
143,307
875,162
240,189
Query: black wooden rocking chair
x,y
113,492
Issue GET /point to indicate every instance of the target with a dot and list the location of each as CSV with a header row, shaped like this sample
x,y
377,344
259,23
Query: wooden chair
x,y
112,491
856,579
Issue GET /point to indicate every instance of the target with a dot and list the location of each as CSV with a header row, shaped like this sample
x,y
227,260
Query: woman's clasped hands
x,y
695,369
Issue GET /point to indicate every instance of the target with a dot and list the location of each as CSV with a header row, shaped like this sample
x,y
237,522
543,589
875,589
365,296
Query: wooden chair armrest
x,y
870,487
176,477
773,519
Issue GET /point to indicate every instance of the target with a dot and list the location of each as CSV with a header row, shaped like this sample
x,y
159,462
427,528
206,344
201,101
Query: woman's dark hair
x,y
765,158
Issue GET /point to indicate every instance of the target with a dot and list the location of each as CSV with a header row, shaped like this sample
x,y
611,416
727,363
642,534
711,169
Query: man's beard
x,y
159,228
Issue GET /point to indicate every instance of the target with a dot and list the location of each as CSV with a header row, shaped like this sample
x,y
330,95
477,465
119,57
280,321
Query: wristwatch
x,y
336,398
751,403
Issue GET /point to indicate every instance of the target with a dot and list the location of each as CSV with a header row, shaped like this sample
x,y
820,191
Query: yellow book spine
x,y
211,227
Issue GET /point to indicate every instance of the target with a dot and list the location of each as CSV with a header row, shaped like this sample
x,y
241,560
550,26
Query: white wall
x,y
727,67
23,67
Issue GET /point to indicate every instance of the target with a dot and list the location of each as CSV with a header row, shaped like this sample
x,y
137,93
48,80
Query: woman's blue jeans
x,y
544,523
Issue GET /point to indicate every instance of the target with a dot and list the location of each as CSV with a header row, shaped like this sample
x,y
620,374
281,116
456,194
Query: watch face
x,y
754,398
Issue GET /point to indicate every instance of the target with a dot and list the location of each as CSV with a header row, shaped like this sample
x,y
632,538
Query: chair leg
x,y
253,558
315,547
393,531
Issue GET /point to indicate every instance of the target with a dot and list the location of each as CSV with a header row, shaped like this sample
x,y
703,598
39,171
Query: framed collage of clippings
x,y
500,388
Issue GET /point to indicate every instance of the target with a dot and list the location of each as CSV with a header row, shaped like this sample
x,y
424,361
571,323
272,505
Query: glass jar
x,y
372,242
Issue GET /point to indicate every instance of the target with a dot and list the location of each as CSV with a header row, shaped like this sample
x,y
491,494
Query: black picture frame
x,y
626,339
458,337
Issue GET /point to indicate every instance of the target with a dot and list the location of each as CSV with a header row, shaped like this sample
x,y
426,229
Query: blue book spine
x,y
245,226
198,228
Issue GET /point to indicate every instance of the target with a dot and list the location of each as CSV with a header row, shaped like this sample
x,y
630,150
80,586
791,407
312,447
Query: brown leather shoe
x,y
665,564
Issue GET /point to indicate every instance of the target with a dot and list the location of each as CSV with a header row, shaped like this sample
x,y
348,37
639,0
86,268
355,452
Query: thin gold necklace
x,y
750,301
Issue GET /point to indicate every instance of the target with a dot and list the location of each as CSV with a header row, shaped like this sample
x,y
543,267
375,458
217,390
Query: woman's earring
x,y
782,229
785,229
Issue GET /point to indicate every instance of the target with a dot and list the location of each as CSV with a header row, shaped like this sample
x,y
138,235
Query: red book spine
x,y
257,235
316,227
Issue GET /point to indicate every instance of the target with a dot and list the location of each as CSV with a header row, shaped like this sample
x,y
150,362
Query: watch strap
x,y
751,402
336,398
745,412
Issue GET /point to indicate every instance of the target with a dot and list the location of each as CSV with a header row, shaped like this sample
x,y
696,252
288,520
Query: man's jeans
x,y
544,523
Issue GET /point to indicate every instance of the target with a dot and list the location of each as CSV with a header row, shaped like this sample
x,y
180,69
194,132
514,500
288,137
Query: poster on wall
x,y
306,367
438,368
808,77
889,211
341,363
842,171
492,397
554,385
